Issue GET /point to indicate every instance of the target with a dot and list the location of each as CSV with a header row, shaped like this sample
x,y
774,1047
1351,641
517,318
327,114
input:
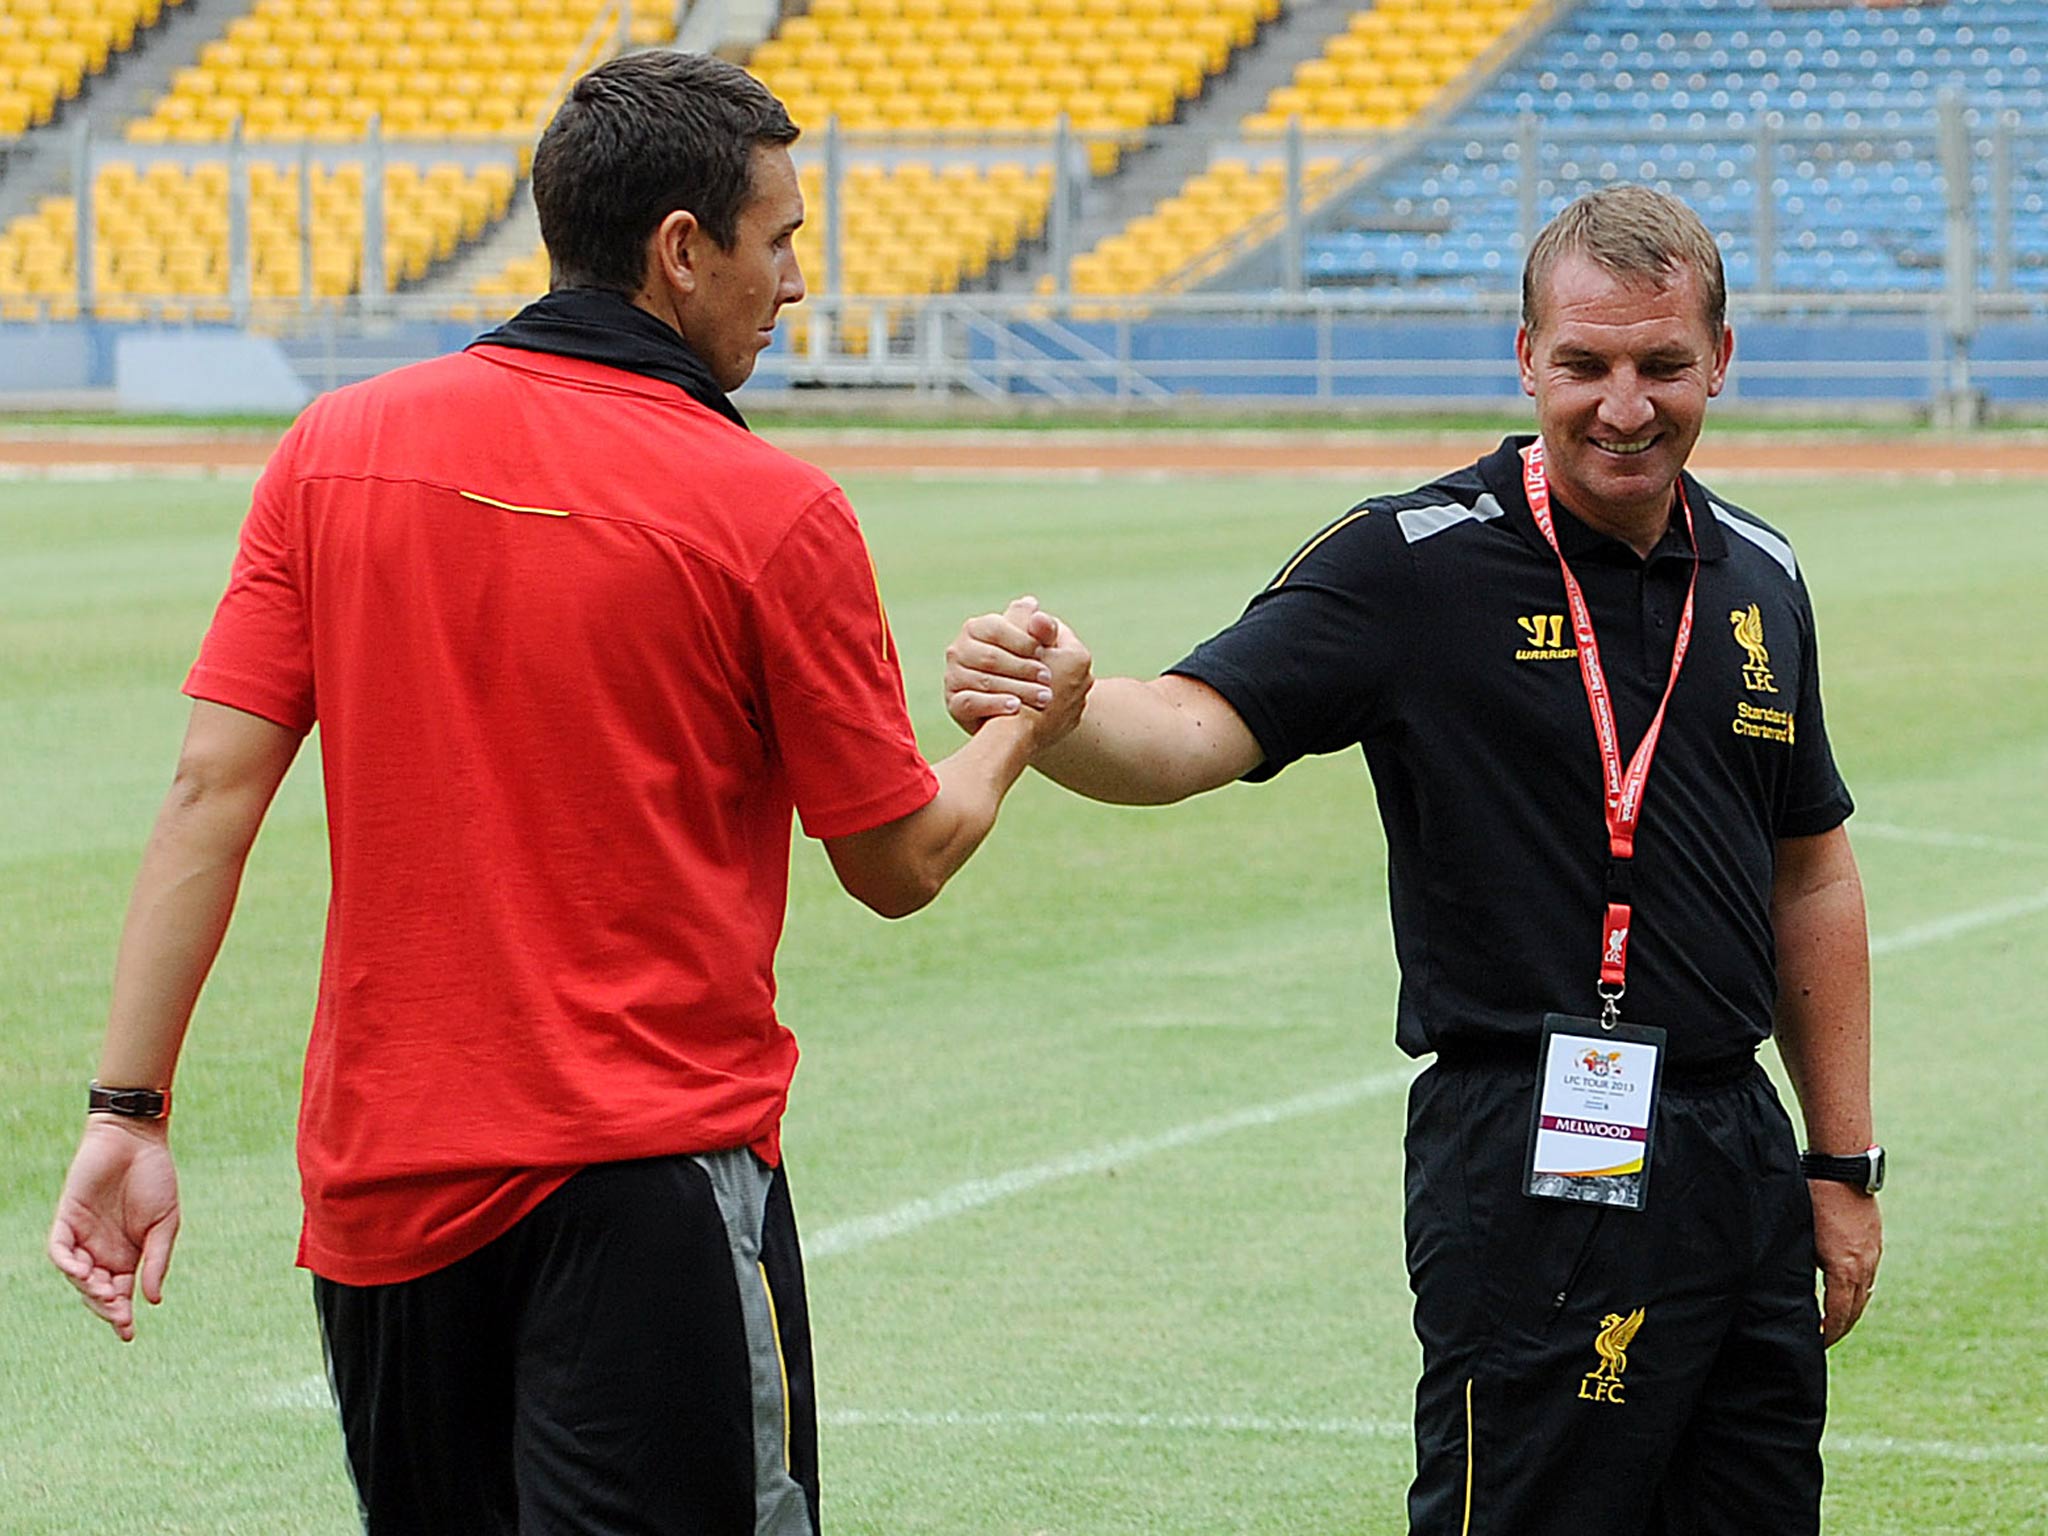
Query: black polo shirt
x,y
1431,629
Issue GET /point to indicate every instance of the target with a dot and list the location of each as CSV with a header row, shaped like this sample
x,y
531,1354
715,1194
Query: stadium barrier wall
x,y
1312,349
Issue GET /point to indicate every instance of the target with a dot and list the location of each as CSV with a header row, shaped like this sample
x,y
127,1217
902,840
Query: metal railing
x,y
1981,251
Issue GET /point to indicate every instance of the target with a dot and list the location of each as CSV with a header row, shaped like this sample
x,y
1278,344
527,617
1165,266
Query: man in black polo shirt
x,y
1587,690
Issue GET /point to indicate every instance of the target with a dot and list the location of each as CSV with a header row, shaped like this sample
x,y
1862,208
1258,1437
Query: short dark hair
x,y
1633,232
639,137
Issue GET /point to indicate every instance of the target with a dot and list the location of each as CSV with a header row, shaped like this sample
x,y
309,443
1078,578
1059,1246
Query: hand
x,y
117,1218
995,665
1072,672
1848,1239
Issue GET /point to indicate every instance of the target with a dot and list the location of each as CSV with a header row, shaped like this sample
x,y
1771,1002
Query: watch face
x,y
1876,1170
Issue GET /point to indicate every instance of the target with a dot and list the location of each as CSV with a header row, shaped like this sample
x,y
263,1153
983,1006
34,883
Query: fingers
x,y
72,1261
976,669
1848,1241
109,1297
973,709
156,1258
1843,1302
1027,616
994,643
993,666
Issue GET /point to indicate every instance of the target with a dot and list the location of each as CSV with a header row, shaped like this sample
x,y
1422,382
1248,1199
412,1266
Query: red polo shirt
x,y
576,646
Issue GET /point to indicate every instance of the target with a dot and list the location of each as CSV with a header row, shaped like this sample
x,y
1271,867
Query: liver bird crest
x,y
1612,1343
1749,634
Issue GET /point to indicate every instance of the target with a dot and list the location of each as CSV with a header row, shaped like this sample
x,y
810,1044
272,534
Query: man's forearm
x,y
228,770
1823,1023
1150,743
972,784
896,869
184,895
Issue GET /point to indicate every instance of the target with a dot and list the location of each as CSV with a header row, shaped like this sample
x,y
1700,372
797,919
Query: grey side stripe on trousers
x,y
740,1180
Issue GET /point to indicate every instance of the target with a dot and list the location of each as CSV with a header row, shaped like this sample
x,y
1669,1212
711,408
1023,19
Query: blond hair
x,y
1632,232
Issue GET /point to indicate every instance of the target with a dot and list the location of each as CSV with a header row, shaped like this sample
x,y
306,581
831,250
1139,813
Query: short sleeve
x,y
1308,665
258,655
834,687
1816,799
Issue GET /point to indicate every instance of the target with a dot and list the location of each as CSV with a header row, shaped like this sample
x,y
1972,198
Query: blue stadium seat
x,y
1673,94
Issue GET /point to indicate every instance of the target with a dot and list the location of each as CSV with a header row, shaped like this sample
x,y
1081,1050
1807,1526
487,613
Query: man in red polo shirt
x,y
578,644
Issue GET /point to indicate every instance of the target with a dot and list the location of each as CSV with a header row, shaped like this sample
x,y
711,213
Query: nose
x,y
1625,405
790,290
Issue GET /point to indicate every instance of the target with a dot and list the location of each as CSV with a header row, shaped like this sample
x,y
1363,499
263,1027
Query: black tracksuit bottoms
x,y
1702,1415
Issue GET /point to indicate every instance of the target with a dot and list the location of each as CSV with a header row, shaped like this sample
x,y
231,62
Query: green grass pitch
x,y
1136,1065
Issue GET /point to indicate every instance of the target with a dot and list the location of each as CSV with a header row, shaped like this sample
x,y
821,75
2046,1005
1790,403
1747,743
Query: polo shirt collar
x,y
1502,472
596,325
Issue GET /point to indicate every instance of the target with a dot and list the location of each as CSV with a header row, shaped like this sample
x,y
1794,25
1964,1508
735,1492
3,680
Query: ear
x,y
1525,359
674,254
1718,374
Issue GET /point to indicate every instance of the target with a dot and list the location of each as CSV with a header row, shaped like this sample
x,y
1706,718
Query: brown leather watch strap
x,y
130,1103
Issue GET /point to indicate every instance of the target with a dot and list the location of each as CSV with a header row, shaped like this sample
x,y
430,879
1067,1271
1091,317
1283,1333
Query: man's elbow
x,y
897,892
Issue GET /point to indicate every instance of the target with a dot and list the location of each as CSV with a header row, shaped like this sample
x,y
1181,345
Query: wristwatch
x,y
1864,1169
129,1103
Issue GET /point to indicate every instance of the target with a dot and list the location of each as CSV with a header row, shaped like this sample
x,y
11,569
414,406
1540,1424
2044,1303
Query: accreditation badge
x,y
1596,1106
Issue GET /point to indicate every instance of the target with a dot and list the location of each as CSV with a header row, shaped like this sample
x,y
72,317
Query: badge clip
x,y
1610,1005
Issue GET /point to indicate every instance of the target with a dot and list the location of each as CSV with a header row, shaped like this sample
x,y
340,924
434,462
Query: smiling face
x,y
1621,369
725,301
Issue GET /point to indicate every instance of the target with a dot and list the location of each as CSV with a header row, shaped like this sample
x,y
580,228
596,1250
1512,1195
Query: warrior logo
x,y
1749,634
1602,1384
1544,633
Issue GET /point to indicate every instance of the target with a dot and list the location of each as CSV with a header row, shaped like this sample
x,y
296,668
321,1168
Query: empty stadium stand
x,y
441,69
50,48
911,228
997,67
1688,96
161,246
1395,59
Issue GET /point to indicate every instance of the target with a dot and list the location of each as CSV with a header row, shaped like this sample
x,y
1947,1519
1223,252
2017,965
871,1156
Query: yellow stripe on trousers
x,y
1468,1457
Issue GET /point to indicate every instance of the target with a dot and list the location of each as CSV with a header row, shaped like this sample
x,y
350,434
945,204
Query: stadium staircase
x,y
1396,68
130,77
1160,166
947,105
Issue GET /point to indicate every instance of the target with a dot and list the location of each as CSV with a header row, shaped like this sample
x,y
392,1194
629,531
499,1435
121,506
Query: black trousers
x,y
593,1371
1709,1423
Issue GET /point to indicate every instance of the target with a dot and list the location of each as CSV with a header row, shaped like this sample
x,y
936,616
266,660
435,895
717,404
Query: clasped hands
x,y
1002,664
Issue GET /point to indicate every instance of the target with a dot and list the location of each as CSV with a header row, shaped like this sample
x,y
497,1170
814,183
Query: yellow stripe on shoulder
x,y
509,506
1310,548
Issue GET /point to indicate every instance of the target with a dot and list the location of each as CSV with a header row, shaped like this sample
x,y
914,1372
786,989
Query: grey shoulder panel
x,y
1419,523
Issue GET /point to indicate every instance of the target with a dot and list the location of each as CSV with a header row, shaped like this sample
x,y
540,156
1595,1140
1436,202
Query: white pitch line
x,y
862,1231
313,1395
1349,1429
1960,923
1935,1450
1139,1423
972,1194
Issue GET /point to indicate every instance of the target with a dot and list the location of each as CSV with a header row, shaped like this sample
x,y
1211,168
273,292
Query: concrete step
x,y
515,235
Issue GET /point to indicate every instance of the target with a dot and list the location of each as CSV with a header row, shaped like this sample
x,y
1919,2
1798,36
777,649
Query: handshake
x,y
1021,662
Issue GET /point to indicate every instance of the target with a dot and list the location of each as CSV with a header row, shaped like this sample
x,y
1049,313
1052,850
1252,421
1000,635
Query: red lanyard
x,y
1625,786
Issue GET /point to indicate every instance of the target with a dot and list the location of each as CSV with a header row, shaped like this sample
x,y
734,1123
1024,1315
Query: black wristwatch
x,y
129,1103
1865,1169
